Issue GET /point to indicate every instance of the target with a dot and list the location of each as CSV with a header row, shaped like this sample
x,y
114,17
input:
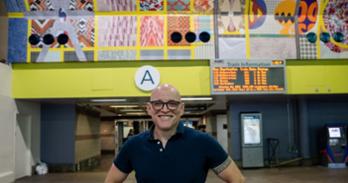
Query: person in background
x,y
130,133
170,152
202,128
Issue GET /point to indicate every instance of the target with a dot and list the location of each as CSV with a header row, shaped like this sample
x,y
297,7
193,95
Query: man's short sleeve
x,y
217,157
123,159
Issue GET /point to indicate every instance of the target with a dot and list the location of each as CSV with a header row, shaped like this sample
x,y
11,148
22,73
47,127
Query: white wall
x,y
222,133
87,142
7,126
107,136
33,110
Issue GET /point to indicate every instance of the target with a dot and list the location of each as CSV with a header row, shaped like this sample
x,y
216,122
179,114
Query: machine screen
x,y
334,132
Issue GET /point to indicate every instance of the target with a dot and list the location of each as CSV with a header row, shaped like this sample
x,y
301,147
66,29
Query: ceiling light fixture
x,y
196,98
109,100
124,106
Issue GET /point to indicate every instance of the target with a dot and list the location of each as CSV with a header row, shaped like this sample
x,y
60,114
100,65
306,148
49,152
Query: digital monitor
x,y
251,129
334,132
247,77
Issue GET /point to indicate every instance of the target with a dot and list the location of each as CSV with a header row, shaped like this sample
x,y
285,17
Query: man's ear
x,y
182,109
148,108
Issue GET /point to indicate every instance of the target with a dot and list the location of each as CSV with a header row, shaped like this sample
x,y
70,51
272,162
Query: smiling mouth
x,y
165,116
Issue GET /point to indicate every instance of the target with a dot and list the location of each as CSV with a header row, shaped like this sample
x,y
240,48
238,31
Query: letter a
x,y
149,78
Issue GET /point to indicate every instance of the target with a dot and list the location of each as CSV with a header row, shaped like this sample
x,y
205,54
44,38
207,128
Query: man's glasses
x,y
171,104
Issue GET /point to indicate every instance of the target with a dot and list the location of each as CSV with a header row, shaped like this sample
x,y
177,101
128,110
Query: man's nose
x,y
165,108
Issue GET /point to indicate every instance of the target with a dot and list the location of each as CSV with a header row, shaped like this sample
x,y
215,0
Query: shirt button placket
x,y
161,148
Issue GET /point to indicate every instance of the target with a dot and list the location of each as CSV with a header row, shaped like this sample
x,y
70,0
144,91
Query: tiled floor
x,y
316,174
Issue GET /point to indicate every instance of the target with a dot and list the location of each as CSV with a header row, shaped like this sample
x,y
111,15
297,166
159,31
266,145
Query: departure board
x,y
247,76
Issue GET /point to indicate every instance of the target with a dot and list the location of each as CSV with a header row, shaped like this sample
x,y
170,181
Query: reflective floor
x,y
316,174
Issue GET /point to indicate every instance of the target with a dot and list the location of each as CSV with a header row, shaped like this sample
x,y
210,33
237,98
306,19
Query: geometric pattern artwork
x,y
308,50
203,24
178,5
84,27
257,13
307,15
179,24
41,27
15,5
204,6
116,5
117,31
17,40
151,31
230,19
151,5
42,5
335,18
115,55
81,5
284,14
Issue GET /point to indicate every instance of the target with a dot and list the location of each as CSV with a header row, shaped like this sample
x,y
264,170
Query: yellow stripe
x,y
111,48
15,15
138,46
247,34
62,56
62,48
320,26
95,4
96,39
165,37
27,7
29,45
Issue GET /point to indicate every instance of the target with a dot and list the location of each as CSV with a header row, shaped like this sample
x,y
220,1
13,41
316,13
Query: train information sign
x,y
247,76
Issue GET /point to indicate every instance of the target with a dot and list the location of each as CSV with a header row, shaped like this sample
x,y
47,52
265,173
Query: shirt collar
x,y
179,131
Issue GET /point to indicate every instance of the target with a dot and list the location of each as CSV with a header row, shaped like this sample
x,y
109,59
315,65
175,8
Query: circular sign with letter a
x,y
147,78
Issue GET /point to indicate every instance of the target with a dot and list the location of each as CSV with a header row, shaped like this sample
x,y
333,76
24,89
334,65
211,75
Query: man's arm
x,y
232,174
115,175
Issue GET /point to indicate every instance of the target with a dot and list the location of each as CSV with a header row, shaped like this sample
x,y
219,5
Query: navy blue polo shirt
x,y
187,157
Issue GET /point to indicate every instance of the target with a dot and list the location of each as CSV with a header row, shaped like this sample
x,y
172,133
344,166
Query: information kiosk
x,y
336,149
252,145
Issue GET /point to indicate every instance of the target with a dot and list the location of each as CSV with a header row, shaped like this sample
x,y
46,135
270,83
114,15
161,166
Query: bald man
x,y
170,152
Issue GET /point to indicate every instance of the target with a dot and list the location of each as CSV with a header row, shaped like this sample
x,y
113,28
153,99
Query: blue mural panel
x,y
17,40
15,5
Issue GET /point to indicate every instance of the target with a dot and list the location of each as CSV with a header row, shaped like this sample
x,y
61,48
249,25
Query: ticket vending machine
x,y
336,149
252,145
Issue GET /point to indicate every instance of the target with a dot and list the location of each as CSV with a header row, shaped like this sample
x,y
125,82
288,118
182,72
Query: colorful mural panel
x,y
116,5
151,5
204,6
178,24
307,15
182,29
17,40
151,31
178,5
15,5
117,31
335,17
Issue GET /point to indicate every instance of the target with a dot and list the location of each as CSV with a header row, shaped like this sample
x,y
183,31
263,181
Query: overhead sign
x,y
247,76
147,78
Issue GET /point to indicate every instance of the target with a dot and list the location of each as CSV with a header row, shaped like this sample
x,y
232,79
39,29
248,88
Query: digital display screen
x,y
252,131
252,76
334,132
